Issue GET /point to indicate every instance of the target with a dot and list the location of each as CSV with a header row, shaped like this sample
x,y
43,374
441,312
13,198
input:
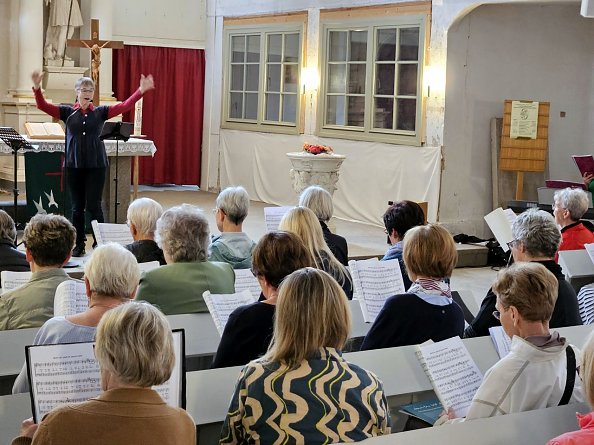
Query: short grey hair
x,y
7,228
235,203
318,200
182,233
144,213
83,81
539,233
576,201
112,271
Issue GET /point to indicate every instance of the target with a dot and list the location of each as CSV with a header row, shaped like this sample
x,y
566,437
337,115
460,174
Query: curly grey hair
x,y
539,233
7,228
235,203
575,201
182,233
318,200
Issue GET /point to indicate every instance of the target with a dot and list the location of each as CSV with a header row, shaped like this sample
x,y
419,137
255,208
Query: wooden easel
x,y
523,154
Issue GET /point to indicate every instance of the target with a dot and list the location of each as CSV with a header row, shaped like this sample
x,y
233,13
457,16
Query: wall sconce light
x,y
310,78
434,81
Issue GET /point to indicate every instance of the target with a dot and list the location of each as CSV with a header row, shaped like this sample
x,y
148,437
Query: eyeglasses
x,y
87,90
497,315
386,231
512,243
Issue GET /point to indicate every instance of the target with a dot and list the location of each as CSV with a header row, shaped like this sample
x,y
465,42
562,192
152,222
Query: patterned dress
x,y
324,400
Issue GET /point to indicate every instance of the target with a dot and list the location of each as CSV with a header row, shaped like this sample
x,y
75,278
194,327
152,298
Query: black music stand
x,y
15,141
116,131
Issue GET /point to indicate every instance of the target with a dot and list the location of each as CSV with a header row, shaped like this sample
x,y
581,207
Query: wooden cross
x,y
95,45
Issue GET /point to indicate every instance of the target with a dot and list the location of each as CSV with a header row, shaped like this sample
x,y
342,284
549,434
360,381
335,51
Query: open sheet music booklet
x,y
111,233
374,282
44,130
452,372
245,280
71,298
501,340
220,306
500,223
12,280
273,216
69,373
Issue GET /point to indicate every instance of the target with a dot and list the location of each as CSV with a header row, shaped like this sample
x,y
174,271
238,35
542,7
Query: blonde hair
x,y
135,343
587,369
304,223
429,251
144,213
530,287
112,271
311,313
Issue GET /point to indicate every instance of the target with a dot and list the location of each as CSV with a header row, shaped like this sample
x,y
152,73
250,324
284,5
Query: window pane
x,y
291,48
275,47
236,105
358,46
291,76
251,81
356,111
357,78
409,44
251,105
384,79
383,113
289,108
274,77
337,78
335,110
237,48
406,112
407,79
253,48
237,77
272,107
338,46
386,44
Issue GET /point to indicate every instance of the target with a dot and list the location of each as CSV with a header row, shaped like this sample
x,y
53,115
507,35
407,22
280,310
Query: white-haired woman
x,y
143,214
10,258
135,352
111,278
319,201
182,233
232,246
569,207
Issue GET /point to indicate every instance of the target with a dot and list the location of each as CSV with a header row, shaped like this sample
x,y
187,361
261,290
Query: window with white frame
x,y
262,79
371,80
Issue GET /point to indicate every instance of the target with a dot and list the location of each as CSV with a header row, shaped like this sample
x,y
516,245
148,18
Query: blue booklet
x,y
427,410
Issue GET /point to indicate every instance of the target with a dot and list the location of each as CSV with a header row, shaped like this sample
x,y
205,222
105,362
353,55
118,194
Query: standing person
x,y
86,159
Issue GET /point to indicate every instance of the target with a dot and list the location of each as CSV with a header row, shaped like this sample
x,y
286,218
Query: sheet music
x,y
69,373
245,280
501,340
71,298
273,216
510,215
500,225
220,306
454,375
12,280
111,233
149,265
374,281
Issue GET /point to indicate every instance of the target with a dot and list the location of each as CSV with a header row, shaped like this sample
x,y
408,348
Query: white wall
x,y
542,52
5,68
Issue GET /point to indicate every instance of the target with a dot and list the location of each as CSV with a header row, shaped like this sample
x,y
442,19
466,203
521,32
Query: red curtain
x,y
172,112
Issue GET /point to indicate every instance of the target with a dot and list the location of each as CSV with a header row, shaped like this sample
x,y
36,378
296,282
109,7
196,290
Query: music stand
x,y
15,141
116,131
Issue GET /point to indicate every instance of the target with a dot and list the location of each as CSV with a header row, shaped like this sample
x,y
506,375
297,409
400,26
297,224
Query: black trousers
x,y
86,190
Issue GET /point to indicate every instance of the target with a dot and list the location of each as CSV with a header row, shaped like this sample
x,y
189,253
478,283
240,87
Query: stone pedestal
x,y
308,169
59,81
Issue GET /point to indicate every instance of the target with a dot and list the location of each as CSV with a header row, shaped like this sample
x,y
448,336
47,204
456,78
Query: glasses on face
x,y
386,231
87,90
511,244
497,315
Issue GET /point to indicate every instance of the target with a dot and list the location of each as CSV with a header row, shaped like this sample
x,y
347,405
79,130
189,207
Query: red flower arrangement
x,y
316,149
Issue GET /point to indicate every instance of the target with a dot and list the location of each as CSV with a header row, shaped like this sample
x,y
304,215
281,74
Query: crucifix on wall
x,y
95,45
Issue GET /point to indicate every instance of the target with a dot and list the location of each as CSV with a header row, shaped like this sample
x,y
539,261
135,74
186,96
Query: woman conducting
x,y
86,159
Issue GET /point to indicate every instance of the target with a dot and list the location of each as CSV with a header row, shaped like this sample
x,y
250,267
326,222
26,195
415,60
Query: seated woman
x,y
536,239
569,207
584,436
232,246
304,223
10,258
248,331
143,214
319,201
534,373
398,219
111,278
427,311
128,411
177,288
302,390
